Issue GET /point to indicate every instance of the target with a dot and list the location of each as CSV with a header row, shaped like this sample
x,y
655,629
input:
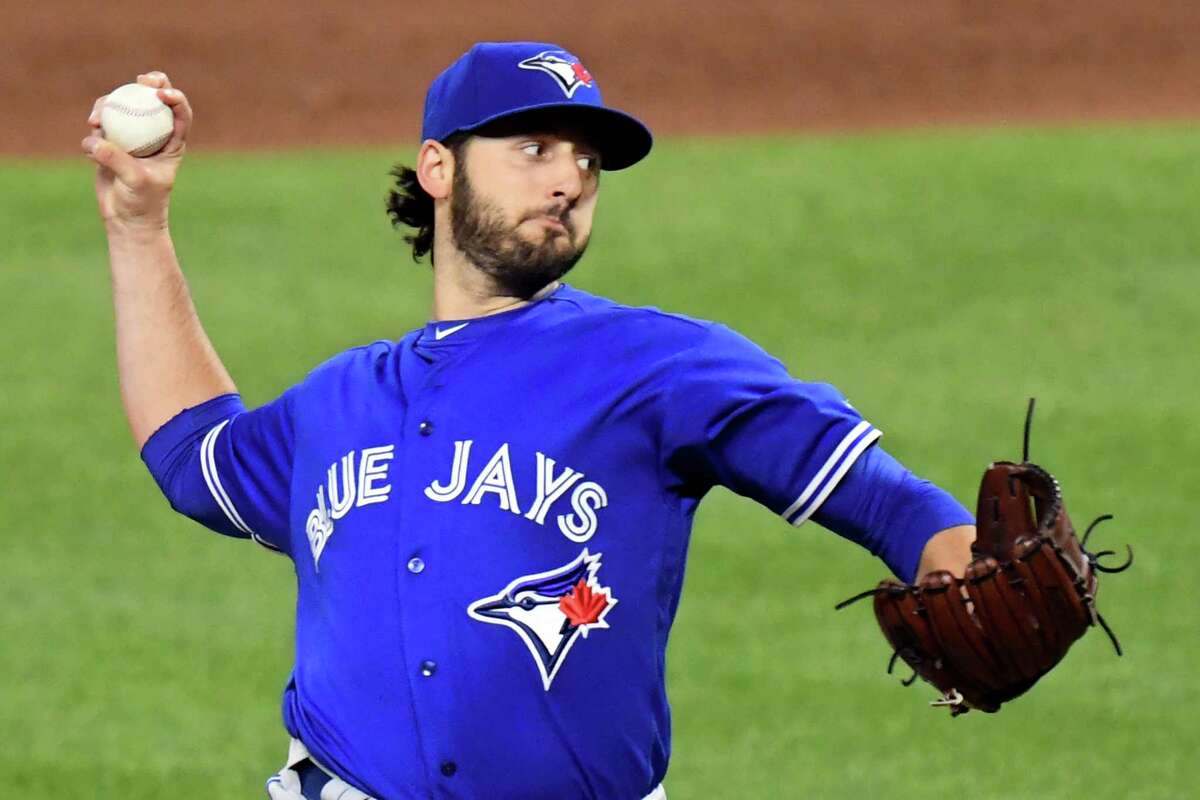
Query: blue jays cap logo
x,y
565,68
550,610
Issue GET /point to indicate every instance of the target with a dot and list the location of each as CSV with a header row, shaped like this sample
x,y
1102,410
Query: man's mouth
x,y
551,222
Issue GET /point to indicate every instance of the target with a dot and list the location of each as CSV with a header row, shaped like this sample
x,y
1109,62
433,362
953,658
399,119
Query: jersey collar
x,y
453,332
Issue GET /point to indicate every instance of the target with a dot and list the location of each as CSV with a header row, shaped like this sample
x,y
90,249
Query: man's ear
x,y
435,169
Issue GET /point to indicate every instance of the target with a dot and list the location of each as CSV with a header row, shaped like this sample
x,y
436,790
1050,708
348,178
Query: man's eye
x,y
586,163
531,149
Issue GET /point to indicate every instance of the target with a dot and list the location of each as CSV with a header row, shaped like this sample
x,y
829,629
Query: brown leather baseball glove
x,y
1029,593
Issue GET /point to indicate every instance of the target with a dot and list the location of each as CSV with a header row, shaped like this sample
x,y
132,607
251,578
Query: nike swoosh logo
x,y
439,333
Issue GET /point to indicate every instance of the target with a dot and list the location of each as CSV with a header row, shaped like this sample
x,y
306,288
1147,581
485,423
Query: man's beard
x,y
518,266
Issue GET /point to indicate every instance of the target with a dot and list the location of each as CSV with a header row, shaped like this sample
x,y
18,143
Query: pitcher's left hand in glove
x,y
1029,593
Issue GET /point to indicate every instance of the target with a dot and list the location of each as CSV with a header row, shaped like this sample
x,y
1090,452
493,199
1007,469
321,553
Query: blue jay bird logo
x,y
565,68
550,610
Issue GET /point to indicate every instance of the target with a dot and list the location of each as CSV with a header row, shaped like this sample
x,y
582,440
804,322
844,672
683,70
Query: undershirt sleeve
x,y
884,507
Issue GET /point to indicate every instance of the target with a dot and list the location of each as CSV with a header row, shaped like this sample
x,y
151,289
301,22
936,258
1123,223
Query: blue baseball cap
x,y
498,80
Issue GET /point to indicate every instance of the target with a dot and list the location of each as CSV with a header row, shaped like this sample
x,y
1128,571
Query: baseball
x,y
135,120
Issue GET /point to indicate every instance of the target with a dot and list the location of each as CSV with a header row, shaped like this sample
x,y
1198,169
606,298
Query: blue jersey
x,y
489,521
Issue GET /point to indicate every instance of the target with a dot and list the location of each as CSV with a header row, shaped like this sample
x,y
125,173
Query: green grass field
x,y
939,279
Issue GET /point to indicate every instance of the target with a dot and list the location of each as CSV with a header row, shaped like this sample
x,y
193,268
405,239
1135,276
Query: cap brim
x,y
621,138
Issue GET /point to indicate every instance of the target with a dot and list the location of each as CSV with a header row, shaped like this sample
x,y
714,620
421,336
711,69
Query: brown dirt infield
x,y
270,73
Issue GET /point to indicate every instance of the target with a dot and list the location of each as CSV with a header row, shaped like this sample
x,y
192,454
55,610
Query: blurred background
x,y
943,207
270,74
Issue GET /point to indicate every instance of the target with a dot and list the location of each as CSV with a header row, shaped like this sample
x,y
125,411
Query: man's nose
x,y
567,182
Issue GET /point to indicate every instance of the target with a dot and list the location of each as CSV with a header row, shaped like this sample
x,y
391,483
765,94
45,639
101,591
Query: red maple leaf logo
x,y
583,606
582,74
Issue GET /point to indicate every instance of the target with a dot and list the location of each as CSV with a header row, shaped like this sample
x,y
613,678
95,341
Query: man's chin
x,y
557,243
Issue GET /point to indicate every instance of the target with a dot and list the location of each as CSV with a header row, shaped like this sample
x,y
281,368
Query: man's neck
x,y
461,291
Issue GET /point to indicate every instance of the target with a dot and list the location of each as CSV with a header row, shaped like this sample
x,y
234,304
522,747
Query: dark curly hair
x,y
410,206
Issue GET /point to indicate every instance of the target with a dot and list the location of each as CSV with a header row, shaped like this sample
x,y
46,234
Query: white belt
x,y
285,784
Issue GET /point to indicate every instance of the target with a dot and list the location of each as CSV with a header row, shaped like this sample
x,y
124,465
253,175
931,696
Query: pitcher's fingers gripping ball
x,y
1029,594
134,119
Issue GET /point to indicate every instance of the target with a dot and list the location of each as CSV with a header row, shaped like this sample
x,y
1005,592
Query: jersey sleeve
x,y
736,418
229,468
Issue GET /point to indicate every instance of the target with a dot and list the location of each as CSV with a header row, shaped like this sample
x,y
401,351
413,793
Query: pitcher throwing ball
x,y
489,516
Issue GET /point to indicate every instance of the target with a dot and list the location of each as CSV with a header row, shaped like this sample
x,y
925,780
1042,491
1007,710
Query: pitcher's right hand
x,y
133,193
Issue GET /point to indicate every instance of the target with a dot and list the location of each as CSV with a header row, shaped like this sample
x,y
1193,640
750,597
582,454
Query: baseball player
x,y
489,517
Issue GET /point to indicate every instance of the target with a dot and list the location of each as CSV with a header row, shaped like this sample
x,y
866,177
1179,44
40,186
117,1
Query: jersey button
x,y
428,668
416,566
425,428
449,768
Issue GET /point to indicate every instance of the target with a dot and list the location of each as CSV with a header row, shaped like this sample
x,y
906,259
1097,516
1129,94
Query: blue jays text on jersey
x,y
488,522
